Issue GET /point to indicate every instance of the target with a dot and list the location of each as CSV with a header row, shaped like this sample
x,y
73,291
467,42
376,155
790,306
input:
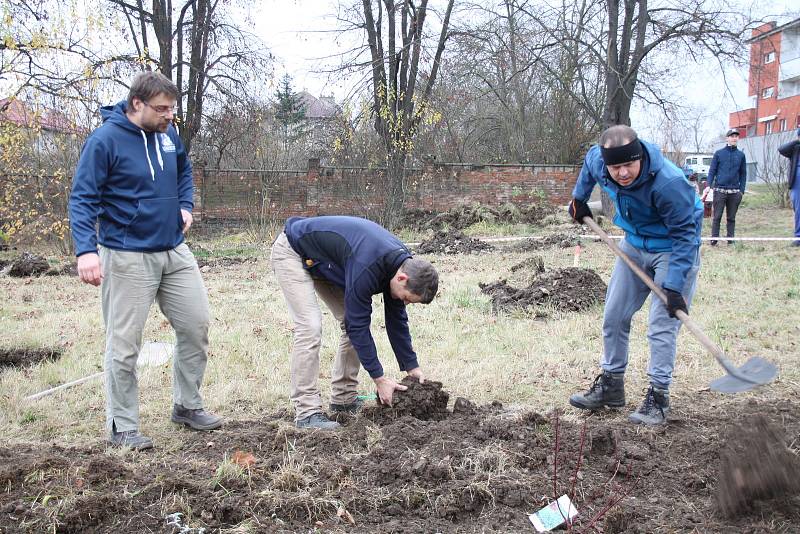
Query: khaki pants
x,y
131,281
300,291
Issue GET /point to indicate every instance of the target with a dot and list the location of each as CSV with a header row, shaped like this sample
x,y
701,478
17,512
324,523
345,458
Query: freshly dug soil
x,y
755,464
223,261
68,269
461,217
569,289
553,240
534,264
28,265
478,469
26,357
452,242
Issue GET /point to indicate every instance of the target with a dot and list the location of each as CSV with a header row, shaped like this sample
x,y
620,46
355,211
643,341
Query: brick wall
x,y
242,194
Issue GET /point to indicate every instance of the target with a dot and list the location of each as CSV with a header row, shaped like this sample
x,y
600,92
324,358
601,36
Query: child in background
x,y
708,198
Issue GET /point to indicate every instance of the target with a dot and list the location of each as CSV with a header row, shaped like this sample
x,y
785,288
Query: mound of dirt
x,y
68,269
427,402
479,469
461,217
223,261
553,240
26,357
28,265
755,464
569,289
453,242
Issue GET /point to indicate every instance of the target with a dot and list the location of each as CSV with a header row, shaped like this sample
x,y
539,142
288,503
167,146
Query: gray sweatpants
x,y
300,292
625,295
131,281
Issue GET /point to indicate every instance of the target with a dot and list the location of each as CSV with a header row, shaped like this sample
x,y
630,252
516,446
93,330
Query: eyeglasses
x,y
162,110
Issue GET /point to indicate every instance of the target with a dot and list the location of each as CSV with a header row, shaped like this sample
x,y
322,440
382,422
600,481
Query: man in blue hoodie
x,y
133,186
661,216
345,261
727,176
791,150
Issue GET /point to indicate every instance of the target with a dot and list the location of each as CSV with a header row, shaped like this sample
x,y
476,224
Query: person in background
x,y
133,184
728,178
707,196
662,218
791,150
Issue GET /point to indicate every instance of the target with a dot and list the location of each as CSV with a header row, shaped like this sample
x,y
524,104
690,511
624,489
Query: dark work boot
x,y
130,438
317,420
352,407
196,419
654,408
607,391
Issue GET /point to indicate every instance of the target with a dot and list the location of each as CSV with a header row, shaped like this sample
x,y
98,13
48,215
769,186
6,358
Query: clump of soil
x,y
534,264
553,240
426,401
461,217
453,242
755,464
26,357
569,289
28,265
68,269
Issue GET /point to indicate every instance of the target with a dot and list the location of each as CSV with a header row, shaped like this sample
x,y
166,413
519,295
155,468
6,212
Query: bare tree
x,y
403,70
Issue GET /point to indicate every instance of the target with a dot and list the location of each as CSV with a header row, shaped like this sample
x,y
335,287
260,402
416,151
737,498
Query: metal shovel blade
x,y
753,373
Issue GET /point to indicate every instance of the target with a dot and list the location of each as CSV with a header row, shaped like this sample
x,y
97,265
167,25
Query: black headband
x,y
622,154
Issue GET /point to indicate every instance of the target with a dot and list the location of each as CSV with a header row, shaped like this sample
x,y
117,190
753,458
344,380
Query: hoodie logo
x,y
166,143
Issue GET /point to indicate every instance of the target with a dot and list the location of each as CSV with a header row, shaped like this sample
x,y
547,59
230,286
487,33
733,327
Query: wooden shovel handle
x,y
690,325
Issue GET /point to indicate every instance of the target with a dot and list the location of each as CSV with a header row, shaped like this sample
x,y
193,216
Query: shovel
x,y
152,354
754,372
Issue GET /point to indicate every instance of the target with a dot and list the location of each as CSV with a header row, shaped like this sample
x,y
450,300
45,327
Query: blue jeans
x,y
625,296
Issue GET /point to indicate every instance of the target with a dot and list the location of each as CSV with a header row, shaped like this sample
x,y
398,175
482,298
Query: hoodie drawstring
x,y
147,154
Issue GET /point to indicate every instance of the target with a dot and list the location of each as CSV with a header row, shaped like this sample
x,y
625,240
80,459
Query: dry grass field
x,y
747,301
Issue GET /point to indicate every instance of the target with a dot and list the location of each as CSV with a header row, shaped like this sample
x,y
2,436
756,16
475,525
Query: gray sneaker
x,y
352,407
317,420
654,409
130,438
196,419
607,391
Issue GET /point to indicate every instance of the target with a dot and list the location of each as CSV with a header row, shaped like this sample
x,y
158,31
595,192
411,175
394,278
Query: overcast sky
x,y
301,34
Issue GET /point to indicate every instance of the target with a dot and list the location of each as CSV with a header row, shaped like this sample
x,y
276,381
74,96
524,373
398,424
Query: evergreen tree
x,y
290,111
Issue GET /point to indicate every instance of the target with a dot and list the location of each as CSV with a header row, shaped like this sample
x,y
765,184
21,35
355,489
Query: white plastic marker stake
x,y
577,257
152,354
553,515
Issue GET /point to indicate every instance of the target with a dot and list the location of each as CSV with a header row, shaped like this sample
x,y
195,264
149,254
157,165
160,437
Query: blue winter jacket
x,y
659,211
134,183
728,169
361,257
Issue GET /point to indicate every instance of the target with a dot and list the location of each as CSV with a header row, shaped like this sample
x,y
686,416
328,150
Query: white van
x,y
699,163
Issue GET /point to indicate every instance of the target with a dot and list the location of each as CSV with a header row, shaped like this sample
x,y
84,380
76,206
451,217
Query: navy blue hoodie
x,y
361,257
134,183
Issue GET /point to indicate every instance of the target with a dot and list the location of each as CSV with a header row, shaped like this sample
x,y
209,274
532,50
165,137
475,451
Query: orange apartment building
x,y
773,83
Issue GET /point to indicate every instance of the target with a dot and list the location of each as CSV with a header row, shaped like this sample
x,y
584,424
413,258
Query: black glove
x,y
675,302
578,209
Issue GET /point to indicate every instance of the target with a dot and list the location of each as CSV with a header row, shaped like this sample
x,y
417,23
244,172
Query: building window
x,y
769,58
782,125
706,161
768,92
768,127
691,161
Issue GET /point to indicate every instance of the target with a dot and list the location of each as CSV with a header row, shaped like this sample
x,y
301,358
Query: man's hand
x,y
386,387
675,302
578,209
187,219
416,372
89,270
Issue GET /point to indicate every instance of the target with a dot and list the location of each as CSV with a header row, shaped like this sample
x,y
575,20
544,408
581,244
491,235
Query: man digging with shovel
x,y
661,216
